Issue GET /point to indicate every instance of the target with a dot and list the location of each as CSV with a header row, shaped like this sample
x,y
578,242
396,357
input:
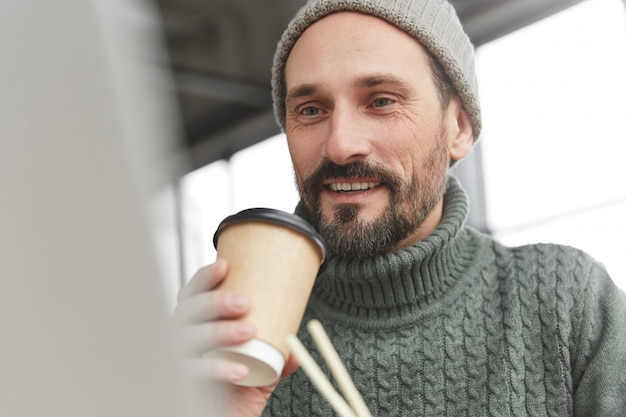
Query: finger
x,y
202,338
209,368
206,278
210,305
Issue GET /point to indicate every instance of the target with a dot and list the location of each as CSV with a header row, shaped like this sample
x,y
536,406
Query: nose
x,y
347,139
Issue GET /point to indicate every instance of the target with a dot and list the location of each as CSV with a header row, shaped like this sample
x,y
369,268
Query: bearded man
x,y
378,99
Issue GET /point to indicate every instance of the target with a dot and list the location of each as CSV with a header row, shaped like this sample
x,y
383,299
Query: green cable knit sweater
x,y
460,325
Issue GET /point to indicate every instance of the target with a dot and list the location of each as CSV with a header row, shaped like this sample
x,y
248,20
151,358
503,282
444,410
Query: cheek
x,y
398,145
419,134
304,158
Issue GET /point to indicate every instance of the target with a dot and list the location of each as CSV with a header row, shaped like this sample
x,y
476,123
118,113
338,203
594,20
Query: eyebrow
x,y
366,81
374,80
303,90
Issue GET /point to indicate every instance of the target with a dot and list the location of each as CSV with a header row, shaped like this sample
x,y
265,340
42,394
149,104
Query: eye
x,y
310,111
382,102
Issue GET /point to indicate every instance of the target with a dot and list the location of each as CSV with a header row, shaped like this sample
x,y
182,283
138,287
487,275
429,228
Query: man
x,y
377,99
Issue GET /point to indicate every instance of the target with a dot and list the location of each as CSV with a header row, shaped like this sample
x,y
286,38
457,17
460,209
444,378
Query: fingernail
x,y
238,302
244,330
237,372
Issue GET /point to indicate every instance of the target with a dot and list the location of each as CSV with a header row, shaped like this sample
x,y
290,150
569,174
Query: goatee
x,y
346,234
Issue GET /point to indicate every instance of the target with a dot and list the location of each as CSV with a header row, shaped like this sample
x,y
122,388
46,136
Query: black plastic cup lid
x,y
280,217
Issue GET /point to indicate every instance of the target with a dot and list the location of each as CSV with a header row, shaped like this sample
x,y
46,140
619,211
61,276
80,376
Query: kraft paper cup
x,y
274,258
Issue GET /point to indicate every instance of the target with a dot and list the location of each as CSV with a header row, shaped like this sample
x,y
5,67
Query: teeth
x,y
354,186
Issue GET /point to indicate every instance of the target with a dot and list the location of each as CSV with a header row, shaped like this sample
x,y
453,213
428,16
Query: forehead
x,y
352,42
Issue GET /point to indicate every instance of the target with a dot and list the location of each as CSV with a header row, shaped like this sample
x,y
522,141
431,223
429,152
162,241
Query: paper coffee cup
x,y
273,258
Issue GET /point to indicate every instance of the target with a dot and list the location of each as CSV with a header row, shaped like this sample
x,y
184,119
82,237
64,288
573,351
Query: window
x,y
259,176
554,99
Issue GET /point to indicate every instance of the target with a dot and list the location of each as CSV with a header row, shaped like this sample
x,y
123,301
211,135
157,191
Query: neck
x,y
415,274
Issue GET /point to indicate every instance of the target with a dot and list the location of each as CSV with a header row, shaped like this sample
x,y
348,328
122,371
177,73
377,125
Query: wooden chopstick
x,y
318,378
337,368
357,407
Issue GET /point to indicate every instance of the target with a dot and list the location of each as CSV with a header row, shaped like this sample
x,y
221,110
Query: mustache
x,y
328,170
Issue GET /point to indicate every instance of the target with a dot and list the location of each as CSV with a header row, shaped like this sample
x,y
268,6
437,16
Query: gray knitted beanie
x,y
434,23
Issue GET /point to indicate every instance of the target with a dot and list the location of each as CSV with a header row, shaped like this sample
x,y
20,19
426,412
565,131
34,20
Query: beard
x,y
346,234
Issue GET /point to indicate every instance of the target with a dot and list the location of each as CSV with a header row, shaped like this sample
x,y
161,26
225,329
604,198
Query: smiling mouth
x,y
346,187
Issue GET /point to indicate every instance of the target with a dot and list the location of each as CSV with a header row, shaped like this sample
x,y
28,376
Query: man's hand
x,y
206,319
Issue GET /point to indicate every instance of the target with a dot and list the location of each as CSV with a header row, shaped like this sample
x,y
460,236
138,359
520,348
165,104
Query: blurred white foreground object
x,y
85,119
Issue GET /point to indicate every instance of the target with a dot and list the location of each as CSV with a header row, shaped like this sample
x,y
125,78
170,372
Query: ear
x,y
460,130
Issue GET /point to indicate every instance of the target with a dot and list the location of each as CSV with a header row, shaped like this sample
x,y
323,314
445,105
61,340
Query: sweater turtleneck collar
x,y
418,274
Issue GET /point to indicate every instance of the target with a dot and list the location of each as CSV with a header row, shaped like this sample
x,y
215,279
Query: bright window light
x,y
258,176
554,99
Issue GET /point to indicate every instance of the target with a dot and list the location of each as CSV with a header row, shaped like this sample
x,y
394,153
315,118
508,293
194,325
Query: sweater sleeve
x,y
600,366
